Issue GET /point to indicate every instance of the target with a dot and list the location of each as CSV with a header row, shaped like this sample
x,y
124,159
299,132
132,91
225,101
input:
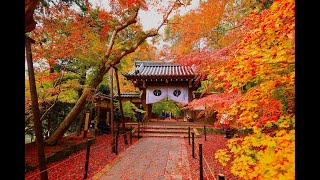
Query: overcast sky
x,y
151,19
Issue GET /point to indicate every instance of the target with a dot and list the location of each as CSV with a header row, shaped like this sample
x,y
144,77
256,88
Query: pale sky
x,y
151,18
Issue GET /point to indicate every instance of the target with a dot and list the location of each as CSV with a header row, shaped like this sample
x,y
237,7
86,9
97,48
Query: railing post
x,y
131,134
200,161
221,177
117,138
205,133
138,129
193,144
86,125
87,160
189,134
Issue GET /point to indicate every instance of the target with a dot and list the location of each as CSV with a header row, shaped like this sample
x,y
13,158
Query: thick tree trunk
x,y
36,112
73,114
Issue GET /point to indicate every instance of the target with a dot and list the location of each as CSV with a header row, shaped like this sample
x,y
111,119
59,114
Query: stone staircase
x,y
165,130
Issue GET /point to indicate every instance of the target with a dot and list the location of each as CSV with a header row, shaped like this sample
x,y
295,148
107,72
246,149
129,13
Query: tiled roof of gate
x,y
153,68
128,95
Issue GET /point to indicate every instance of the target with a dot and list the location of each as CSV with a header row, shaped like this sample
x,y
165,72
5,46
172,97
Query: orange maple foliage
x,y
257,79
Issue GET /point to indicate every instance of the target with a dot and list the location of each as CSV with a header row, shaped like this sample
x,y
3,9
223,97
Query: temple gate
x,y
160,80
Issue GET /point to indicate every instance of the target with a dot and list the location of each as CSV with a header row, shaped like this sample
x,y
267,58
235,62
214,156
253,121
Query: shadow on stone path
x,y
150,158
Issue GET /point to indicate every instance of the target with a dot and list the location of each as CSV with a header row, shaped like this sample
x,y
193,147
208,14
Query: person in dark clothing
x,y
103,127
163,114
140,113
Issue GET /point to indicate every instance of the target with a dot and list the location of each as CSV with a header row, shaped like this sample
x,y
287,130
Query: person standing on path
x,y
140,113
224,123
170,114
163,114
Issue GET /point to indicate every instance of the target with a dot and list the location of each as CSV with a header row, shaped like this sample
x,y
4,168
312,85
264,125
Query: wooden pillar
x,y
190,97
98,111
108,117
143,102
149,110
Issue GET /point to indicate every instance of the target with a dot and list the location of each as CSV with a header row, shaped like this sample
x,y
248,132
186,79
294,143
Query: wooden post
x,y
98,111
85,131
200,161
87,160
205,133
131,134
139,129
112,112
221,177
117,138
35,110
189,134
121,109
193,144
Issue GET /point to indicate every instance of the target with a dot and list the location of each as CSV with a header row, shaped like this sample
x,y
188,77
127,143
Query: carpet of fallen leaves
x,y
211,167
73,167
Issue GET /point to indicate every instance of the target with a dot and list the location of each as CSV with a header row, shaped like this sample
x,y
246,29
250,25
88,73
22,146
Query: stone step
x,y
163,127
168,127
164,124
159,130
165,135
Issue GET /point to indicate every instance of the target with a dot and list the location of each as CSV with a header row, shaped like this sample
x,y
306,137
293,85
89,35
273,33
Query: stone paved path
x,y
150,158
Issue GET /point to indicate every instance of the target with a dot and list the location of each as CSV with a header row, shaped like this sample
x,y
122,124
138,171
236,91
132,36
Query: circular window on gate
x,y
157,92
176,92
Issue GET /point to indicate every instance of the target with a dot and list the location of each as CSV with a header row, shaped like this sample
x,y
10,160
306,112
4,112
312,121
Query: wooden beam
x,y
144,84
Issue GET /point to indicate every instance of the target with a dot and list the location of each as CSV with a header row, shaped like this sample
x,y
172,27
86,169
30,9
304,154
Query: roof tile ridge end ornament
x,y
139,69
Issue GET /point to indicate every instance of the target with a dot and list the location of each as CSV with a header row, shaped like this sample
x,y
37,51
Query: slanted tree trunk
x,y
104,67
72,115
36,112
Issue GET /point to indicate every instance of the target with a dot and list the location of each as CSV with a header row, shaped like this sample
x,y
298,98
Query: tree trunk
x,y
73,114
36,112
121,109
29,7
104,67
112,112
